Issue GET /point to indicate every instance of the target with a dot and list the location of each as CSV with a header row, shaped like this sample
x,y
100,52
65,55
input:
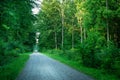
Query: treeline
x,y
16,31
89,27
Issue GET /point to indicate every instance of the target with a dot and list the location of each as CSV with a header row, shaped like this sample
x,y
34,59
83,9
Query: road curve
x,y
41,67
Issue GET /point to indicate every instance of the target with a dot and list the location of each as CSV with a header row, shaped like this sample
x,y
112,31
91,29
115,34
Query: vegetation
x,y
11,70
90,28
16,35
97,74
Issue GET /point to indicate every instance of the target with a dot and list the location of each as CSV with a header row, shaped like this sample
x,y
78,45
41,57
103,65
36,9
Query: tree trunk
x,y
56,40
84,34
81,31
107,24
62,14
73,38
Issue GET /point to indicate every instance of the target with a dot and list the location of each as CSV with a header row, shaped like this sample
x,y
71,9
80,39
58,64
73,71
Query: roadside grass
x,y
11,70
94,73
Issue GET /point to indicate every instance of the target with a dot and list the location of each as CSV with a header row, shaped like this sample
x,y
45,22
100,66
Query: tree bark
x,y
84,34
56,40
73,38
62,14
81,34
107,24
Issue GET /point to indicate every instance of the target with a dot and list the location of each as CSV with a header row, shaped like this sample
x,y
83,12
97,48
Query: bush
x,y
54,51
73,55
117,68
1,47
11,70
12,48
108,57
89,49
13,53
95,53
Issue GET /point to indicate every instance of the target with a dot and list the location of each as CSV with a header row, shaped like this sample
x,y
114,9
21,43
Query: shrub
x,y
11,70
1,47
54,51
117,68
72,54
89,49
108,57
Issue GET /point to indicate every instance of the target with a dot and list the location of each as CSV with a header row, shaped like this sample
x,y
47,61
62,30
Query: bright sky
x,y
37,9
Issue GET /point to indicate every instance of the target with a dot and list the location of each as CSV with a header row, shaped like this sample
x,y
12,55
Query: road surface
x,y
41,67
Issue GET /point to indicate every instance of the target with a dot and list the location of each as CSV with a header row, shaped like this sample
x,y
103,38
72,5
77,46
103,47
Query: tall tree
x,y
62,20
107,25
16,21
51,12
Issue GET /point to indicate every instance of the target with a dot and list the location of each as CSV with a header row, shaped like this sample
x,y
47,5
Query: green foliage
x,y
117,68
13,68
95,73
87,26
1,49
15,26
72,54
90,47
109,56
16,35
96,54
54,51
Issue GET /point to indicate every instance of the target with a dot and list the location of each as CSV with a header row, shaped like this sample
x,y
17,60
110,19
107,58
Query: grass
x,y
11,70
94,73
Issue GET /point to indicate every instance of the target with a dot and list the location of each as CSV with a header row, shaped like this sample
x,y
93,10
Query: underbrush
x,y
11,69
73,58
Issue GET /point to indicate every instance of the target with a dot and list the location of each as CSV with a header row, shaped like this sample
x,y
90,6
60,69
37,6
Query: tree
x,y
16,21
51,22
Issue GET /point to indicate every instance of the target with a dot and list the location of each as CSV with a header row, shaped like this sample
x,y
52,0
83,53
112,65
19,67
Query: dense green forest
x,y
16,35
16,31
87,30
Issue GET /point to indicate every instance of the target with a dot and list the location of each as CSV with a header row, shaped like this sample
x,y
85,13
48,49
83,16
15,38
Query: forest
x,y
85,31
16,35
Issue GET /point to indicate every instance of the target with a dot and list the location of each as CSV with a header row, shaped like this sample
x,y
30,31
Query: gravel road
x,y
41,67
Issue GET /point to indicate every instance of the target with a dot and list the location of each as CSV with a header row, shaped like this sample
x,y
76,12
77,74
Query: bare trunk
x,y
108,35
107,24
73,38
55,40
81,30
62,13
84,34
62,28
